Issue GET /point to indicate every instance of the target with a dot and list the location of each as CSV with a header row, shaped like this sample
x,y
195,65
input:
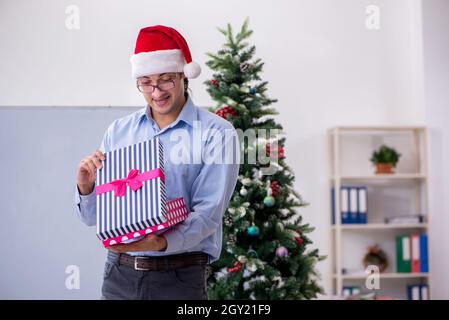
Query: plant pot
x,y
384,168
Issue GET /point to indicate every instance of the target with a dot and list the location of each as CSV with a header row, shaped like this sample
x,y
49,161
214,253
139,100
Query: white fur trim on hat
x,y
192,70
155,62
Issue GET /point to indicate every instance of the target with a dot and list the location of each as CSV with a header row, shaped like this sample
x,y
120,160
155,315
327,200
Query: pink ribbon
x,y
134,181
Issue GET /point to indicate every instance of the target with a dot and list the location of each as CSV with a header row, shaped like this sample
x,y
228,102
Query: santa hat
x,y
161,49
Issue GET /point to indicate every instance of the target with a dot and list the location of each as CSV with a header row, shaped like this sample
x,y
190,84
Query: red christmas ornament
x,y
237,267
279,151
299,241
226,111
274,188
221,113
230,110
214,83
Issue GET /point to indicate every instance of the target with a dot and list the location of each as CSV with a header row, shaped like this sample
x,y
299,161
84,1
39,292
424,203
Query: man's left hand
x,y
151,242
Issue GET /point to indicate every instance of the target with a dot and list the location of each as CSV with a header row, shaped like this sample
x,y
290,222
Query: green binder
x,y
403,254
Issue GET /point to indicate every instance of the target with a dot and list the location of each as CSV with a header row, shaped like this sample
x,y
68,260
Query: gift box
x,y
176,212
130,194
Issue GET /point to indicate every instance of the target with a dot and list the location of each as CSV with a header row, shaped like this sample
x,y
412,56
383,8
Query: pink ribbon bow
x,y
134,181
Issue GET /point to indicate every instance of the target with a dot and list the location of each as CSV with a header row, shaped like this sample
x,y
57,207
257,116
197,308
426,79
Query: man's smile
x,y
161,101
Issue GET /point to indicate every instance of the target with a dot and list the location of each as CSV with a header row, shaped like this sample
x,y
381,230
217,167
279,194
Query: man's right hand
x,y
87,172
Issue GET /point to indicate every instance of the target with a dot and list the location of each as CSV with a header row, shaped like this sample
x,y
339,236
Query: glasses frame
x,y
156,86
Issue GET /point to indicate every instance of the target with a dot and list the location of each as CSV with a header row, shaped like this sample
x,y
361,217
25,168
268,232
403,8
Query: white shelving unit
x,y
350,149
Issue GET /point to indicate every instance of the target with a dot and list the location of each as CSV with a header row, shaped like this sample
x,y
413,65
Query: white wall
x,y
436,54
323,65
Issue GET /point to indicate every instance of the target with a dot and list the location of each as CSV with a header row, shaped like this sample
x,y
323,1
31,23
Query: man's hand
x,y
151,242
87,172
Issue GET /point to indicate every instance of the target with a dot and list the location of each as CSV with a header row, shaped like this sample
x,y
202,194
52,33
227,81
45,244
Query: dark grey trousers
x,y
123,282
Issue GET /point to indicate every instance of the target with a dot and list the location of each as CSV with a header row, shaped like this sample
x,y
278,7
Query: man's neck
x,y
164,120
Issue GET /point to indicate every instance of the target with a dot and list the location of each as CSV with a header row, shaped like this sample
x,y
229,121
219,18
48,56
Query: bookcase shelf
x,y
350,148
380,226
399,176
388,275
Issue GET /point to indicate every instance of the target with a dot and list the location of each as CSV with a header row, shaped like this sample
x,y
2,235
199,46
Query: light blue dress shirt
x,y
206,187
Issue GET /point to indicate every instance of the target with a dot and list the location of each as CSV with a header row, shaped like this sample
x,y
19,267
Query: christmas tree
x,y
265,251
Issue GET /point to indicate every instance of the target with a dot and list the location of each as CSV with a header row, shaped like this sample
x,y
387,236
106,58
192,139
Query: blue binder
x,y
353,205
362,195
333,204
424,256
345,207
418,292
344,204
424,292
413,292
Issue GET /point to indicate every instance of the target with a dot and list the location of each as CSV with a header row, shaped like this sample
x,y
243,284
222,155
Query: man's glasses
x,y
146,86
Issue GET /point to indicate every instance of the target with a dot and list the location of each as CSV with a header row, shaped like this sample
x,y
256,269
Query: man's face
x,y
168,96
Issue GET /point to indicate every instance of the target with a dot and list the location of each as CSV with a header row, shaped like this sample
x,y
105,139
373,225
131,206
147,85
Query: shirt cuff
x,y
85,199
175,241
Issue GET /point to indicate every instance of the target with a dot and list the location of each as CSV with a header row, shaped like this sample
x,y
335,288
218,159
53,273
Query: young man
x,y
171,265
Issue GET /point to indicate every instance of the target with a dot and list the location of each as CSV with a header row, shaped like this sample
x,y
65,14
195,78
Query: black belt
x,y
145,263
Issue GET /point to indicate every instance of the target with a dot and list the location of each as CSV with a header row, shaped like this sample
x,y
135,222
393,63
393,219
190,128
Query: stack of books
x,y
405,219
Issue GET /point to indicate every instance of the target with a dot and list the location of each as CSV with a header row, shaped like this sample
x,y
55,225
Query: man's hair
x,y
186,87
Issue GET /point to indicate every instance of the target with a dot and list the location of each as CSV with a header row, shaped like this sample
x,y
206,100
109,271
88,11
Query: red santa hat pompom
x,y
161,49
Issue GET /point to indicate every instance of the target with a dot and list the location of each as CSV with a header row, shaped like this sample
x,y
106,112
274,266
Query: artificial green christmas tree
x,y
265,252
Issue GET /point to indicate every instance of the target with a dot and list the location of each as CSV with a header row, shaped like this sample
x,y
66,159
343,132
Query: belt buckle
x,y
136,260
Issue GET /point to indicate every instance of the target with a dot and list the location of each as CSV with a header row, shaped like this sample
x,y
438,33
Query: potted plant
x,y
385,159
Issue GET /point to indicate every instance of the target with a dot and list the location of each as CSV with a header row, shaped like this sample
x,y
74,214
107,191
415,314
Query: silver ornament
x,y
242,259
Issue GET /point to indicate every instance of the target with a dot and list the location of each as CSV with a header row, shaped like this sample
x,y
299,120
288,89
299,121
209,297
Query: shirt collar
x,y
188,114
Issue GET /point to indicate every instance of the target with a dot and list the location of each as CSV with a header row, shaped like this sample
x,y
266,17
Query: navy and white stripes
x,y
136,210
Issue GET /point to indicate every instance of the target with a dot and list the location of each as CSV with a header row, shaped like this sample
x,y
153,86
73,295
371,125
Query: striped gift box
x,y
130,190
